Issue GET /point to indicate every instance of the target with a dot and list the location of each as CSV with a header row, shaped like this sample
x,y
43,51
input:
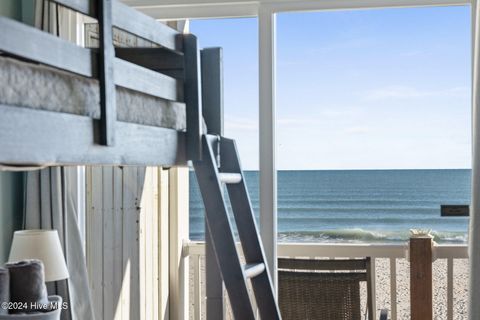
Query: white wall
x,y
136,223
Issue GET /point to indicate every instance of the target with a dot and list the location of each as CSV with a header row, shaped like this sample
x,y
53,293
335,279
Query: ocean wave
x,y
386,210
339,222
362,235
356,235
317,201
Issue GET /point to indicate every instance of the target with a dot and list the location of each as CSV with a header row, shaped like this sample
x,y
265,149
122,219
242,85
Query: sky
x,y
362,89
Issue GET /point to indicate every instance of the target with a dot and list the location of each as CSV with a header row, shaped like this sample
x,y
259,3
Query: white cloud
x,y
338,112
347,44
358,130
405,92
294,122
331,114
412,53
241,124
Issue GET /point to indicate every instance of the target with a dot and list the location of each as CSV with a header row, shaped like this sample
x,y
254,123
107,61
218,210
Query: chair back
x,y
322,289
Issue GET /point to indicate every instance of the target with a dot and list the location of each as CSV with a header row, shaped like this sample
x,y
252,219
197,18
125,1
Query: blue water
x,y
358,205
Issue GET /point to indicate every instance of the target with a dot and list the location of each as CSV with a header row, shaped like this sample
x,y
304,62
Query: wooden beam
x,y
43,47
421,278
159,59
213,281
371,289
106,54
69,140
132,76
52,51
212,89
192,96
212,103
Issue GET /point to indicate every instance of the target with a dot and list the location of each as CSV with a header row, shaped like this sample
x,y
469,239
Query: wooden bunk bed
x,y
62,104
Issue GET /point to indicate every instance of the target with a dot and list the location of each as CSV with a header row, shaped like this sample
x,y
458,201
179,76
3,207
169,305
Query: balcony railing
x,y
391,252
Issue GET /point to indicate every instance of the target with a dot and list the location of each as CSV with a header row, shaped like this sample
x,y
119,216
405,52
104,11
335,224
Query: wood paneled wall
x,y
128,240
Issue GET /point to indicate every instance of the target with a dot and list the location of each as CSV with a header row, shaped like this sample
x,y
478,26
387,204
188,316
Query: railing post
x,y
421,277
393,288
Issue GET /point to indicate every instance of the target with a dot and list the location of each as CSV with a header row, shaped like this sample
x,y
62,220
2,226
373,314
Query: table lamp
x,y
43,245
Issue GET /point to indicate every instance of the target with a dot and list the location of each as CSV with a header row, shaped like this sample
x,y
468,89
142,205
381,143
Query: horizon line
x,y
363,169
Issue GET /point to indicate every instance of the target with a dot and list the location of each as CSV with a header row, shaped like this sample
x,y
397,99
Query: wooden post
x,y
212,104
106,55
421,278
192,96
214,282
178,232
212,89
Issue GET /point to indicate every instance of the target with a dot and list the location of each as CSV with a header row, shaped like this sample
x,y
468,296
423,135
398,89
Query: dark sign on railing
x,y
457,210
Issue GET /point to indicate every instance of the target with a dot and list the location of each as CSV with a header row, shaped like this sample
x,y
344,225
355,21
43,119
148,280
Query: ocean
x,y
378,206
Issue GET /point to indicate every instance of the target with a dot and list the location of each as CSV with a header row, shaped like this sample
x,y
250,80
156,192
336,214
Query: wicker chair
x,y
324,289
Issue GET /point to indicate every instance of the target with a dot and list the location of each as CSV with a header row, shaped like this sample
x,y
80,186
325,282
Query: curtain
x,y
47,16
50,205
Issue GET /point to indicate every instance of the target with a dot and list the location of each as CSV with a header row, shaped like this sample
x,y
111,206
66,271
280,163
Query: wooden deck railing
x,y
392,252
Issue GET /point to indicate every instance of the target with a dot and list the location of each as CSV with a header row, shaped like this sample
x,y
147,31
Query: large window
x,y
359,91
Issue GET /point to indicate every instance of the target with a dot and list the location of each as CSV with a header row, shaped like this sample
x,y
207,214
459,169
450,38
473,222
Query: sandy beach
x,y
403,285
439,288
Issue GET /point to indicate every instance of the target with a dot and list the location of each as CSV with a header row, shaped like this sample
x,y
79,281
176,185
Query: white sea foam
x,y
362,235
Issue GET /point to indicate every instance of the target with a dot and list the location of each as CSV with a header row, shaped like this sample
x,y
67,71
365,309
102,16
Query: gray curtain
x,y
50,205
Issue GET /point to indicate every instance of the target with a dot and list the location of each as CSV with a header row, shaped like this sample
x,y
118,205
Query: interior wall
x,y
127,242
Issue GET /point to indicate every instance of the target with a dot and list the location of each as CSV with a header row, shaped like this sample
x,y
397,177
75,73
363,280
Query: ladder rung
x,y
230,177
211,139
254,269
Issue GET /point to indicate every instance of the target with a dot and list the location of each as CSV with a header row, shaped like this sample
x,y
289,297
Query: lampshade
x,y
43,245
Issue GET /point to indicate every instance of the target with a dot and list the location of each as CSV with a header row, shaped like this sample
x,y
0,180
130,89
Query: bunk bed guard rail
x,y
171,70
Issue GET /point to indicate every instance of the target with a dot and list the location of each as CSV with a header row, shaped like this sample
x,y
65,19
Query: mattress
x,y
35,86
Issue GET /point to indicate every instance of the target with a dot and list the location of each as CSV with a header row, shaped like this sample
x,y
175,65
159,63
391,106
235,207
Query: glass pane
x,y
374,129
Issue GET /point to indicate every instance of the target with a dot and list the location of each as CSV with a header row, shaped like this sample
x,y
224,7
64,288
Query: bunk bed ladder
x,y
220,166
